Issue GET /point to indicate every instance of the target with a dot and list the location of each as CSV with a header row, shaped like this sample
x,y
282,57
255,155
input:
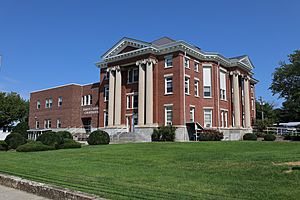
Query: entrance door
x,y
87,124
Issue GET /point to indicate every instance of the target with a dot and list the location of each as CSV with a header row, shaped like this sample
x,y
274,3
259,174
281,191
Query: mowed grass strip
x,y
204,170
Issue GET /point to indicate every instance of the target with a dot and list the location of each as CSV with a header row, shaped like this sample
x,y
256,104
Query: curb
x,y
44,190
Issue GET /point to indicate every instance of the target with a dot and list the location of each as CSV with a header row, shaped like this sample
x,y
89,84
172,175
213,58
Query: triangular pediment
x,y
246,60
125,45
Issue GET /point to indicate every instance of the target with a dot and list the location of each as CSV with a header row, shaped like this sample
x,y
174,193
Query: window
x,y
187,85
105,118
135,119
224,118
59,102
252,89
207,81
38,104
50,103
222,85
252,103
86,100
90,98
132,101
37,124
106,93
47,123
196,66
207,118
58,123
133,75
168,61
196,88
106,75
192,114
47,103
168,85
168,115
186,62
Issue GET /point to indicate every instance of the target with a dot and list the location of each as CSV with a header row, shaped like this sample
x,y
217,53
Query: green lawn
x,y
204,170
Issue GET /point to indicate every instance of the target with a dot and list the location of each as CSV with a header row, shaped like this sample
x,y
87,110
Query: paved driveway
x,y
7,193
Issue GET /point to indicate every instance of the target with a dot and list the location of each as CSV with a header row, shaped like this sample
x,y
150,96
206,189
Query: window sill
x,y
207,97
166,94
197,96
168,67
224,100
187,94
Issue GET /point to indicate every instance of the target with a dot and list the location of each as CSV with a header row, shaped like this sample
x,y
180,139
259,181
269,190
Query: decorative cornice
x,y
146,61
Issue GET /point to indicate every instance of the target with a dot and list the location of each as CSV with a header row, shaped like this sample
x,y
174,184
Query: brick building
x,y
144,85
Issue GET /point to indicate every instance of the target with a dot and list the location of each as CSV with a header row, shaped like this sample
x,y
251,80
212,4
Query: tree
x,y
286,83
267,109
12,108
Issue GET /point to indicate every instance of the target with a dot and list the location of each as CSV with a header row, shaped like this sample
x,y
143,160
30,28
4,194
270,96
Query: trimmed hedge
x,y
98,137
210,135
51,139
14,140
65,134
292,137
69,144
34,146
269,137
164,133
250,136
3,146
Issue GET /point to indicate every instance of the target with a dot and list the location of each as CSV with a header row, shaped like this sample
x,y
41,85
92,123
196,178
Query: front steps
x,y
125,137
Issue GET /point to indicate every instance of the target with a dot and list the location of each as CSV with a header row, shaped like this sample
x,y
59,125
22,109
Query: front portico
x,y
145,94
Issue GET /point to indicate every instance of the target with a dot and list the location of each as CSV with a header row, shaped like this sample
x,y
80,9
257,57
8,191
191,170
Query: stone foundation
x,y
234,134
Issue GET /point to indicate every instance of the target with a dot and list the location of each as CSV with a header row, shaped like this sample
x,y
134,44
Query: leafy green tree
x,y
12,108
21,128
286,83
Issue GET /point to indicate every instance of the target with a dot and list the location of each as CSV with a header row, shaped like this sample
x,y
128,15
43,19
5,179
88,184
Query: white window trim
x,y
131,71
196,62
59,99
210,67
165,80
166,111
211,117
105,113
131,97
188,63
106,97
192,108
57,123
168,57
38,104
188,78
196,81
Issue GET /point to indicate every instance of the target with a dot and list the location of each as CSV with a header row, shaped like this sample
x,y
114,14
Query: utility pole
x,y
261,103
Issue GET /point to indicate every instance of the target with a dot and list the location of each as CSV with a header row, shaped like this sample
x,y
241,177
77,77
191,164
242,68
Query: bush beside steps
x,y
98,137
164,133
250,136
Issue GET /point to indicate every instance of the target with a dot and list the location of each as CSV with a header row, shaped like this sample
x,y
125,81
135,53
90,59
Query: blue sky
x,y
49,43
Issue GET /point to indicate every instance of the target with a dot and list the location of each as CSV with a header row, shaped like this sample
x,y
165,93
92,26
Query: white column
x,y
111,98
247,103
236,100
141,108
118,96
149,92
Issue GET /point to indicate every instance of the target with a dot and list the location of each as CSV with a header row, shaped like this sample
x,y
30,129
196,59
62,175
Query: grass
x,y
204,170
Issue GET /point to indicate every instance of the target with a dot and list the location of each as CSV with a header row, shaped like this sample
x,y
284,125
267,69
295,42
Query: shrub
x,y
295,138
260,134
155,135
21,128
164,133
34,146
287,137
3,146
210,135
269,137
65,134
98,137
14,140
249,136
51,139
69,144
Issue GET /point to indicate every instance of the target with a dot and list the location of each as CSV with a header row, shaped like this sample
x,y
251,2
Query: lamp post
x,y
261,103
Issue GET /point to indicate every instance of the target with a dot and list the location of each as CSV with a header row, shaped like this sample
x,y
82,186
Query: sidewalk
x,y
7,193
